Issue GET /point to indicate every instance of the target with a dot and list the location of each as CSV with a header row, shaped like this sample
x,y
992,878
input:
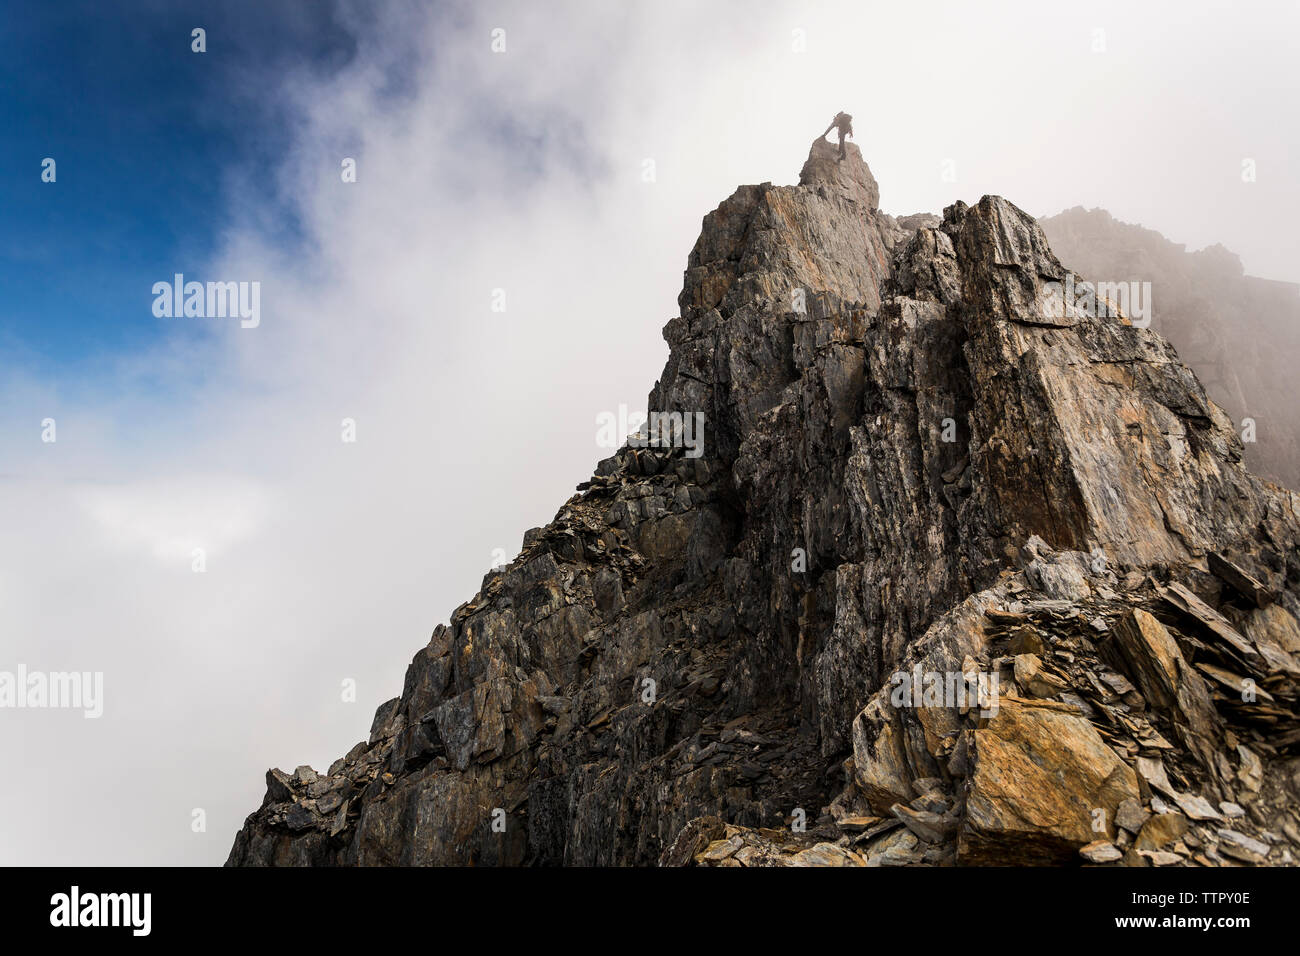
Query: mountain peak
x,y
903,466
824,167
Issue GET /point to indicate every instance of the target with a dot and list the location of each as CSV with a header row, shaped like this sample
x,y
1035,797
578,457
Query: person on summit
x,y
844,123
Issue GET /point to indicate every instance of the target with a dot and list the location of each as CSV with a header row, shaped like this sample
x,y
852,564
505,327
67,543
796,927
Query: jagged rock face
x,y
1239,333
908,462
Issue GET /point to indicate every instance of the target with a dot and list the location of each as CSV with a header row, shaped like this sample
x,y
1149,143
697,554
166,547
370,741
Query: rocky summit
x,y
965,574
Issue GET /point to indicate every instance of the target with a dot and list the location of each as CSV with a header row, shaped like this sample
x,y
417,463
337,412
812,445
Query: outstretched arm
x,y
828,129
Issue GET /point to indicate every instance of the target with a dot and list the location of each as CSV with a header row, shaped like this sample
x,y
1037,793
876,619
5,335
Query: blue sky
x,y
149,136
145,133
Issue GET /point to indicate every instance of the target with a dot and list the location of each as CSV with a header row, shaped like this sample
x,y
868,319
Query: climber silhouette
x,y
844,123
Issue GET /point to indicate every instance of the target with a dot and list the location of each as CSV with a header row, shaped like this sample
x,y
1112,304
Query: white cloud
x,y
171,519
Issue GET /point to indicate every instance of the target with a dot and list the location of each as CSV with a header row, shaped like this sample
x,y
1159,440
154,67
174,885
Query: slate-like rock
x,y
1039,779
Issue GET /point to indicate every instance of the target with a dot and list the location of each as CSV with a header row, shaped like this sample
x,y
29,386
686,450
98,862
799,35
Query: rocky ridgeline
x,y
1239,333
910,468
